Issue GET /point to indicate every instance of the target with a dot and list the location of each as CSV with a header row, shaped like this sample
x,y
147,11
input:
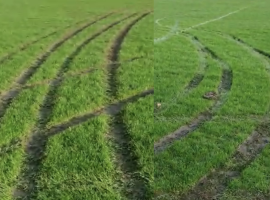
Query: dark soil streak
x,y
74,74
197,79
134,187
114,54
253,51
223,90
8,97
214,185
36,146
28,44
29,73
111,109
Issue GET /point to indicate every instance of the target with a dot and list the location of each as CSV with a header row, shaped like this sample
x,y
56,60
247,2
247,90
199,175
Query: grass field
x,y
212,148
76,88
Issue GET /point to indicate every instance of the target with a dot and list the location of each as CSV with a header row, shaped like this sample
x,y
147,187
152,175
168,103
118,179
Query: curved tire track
x,y
199,76
111,109
23,47
134,186
195,81
215,184
75,74
223,90
16,88
36,145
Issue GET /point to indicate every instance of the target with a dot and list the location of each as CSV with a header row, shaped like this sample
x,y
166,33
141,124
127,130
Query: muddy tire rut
x,y
215,184
16,88
223,91
134,187
37,142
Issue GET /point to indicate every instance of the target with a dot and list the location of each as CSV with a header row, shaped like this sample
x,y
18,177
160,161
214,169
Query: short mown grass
x,y
79,162
212,145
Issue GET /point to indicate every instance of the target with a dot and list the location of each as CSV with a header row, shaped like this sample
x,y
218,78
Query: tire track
x,y
113,57
75,74
199,76
223,91
10,147
111,109
134,186
7,98
37,142
23,47
254,51
215,184
195,81
173,30
261,55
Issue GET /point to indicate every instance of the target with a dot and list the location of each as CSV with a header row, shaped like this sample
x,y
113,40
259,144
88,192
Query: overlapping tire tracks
x,y
118,131
223,89
20,81
215,184
36,143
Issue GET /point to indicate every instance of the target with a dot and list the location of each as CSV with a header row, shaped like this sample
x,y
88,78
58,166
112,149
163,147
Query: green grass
x,y
138,123
138,75
79,170
211,146
16,125
187,104
254,178
81,161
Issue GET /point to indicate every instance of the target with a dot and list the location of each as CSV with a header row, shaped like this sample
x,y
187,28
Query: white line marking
x,y
160,25
175,29
172,32
158,20
213,20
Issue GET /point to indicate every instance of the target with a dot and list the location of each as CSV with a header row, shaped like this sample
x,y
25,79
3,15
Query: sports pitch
x,y
212,88
76,92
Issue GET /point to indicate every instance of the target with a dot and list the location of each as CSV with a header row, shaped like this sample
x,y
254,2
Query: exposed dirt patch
x,y
210,95
195,81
